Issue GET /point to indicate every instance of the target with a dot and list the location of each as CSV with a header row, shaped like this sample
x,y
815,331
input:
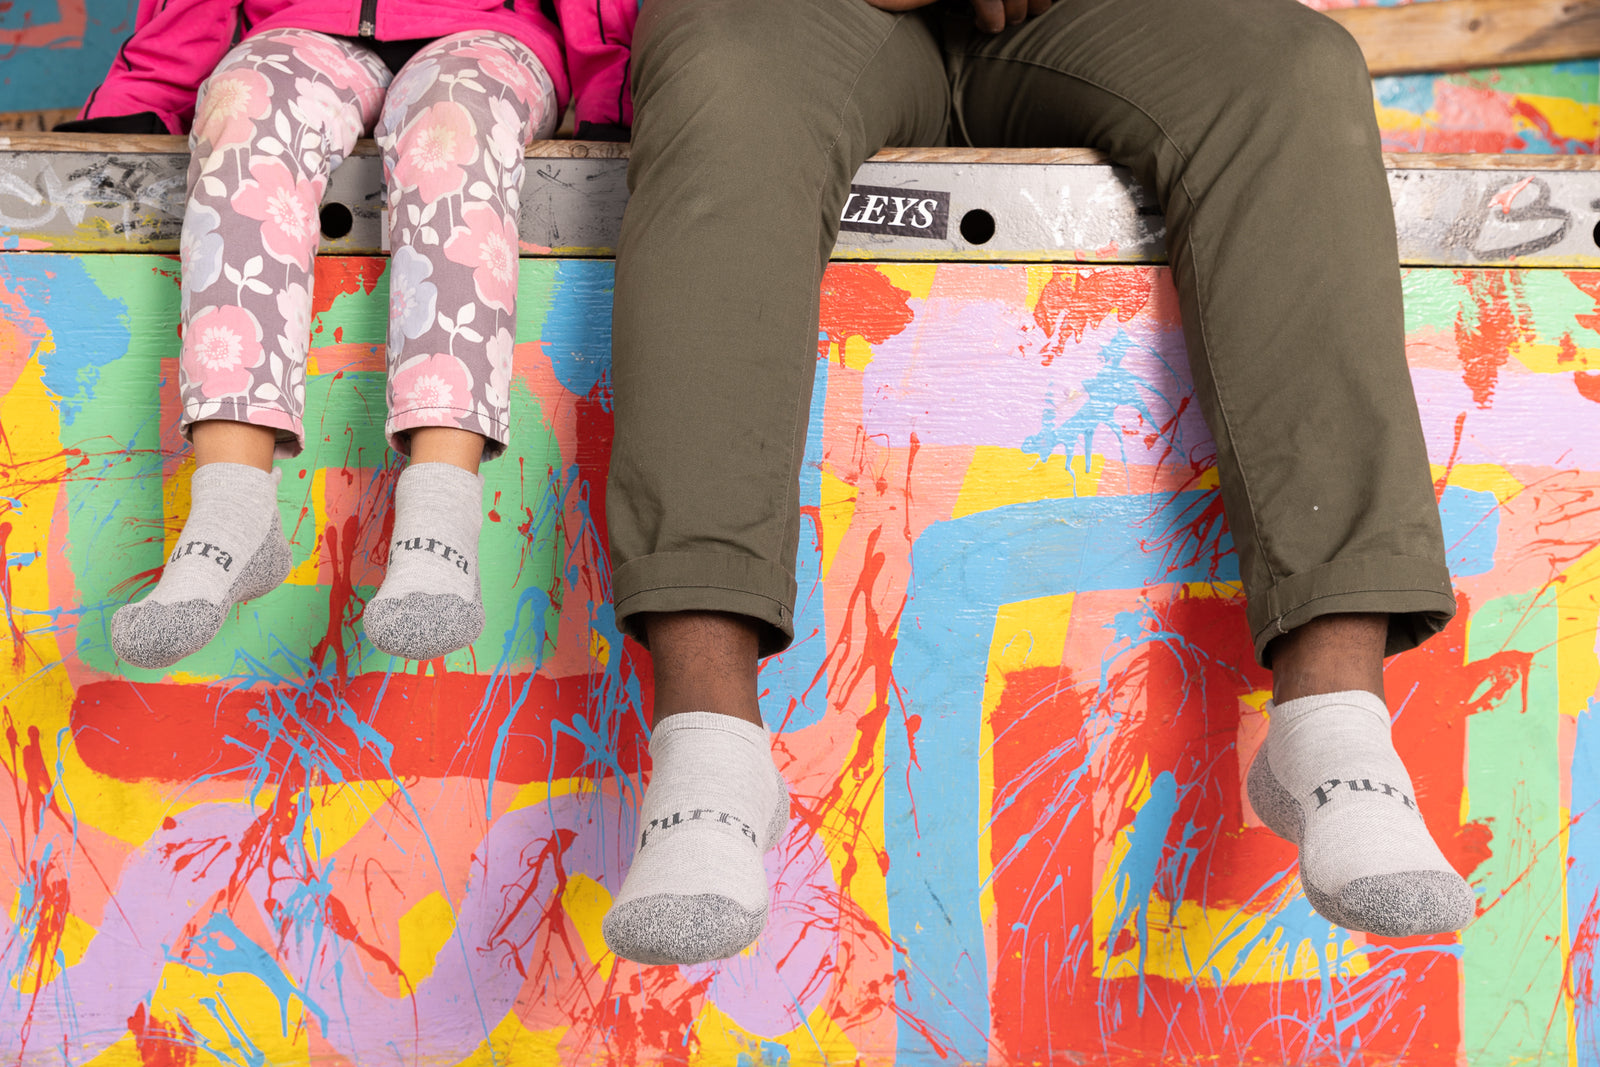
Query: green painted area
x,y
1548,302
116,513
1513,966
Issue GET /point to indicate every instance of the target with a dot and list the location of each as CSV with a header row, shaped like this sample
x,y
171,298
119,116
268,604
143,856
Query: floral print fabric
x,y
278,114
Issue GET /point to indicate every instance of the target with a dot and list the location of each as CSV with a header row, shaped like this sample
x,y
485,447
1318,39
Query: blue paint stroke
x,y
963,570
1136,875
577,330
1471,521
225,949
1583,874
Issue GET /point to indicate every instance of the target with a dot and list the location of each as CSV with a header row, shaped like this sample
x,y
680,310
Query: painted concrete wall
x,y
1015,722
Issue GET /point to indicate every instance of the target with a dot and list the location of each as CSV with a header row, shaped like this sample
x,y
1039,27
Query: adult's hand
x,y
992,16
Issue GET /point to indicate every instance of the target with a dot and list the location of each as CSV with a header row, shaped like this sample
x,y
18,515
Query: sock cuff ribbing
x,y
688,721
1294,710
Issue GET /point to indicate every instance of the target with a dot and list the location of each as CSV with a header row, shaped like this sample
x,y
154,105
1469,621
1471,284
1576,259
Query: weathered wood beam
x,y
1458,34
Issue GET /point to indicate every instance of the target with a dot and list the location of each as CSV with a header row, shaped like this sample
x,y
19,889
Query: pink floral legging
x,y
277,115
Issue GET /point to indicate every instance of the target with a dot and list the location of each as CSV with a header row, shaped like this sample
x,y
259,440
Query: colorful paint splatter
x,y
1015,722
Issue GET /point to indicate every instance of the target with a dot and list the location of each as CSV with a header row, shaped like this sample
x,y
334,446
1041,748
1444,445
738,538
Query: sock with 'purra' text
x,y
697,889
1328,779
431,602
231,550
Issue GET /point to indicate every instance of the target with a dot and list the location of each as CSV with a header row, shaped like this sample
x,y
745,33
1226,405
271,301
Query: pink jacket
x,y
177,43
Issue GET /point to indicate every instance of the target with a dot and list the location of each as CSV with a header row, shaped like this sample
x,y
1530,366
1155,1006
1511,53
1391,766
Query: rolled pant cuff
x,y
704,581
1415,593
398,426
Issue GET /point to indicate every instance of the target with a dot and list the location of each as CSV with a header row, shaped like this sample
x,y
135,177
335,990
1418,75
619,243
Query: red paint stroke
x,y
646,1015
1436,689
1588,383
133,731
1578,981
878,643
160,1044
1077,299
39,797
1500,318
1043,828
859,300
340,554
524,894
46,916
340,922
1588,282
1527,112
19,646
337,276
1566,349
1443,480
1507,196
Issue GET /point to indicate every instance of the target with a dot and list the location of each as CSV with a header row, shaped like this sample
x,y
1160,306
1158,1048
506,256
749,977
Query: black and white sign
x,y
901,212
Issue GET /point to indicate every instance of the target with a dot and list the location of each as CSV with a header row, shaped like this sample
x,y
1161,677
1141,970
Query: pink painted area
x,y
1119,383
1507,432
1554,520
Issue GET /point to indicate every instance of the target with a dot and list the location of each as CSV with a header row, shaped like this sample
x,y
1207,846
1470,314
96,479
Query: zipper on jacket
x,y
369,19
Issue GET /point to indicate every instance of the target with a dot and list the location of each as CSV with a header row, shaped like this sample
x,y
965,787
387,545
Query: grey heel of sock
x,y
779,826
154,636
1273,804
266,570
423,626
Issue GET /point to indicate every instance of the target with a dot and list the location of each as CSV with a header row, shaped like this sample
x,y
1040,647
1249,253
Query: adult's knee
x,y
717,76
1304,61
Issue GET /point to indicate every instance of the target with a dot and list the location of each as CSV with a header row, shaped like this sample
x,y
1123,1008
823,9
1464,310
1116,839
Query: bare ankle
x,y
704,661
1330,654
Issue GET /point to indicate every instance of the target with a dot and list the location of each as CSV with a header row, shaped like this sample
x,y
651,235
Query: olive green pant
x,y
1252,120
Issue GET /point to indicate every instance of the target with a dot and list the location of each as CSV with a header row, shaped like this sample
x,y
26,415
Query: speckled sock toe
x,y
431,603
232,549
697,889
1328,779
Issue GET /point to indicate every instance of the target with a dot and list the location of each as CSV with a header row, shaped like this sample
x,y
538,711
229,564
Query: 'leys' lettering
x,y
205,550
923,213
436,547
1324,792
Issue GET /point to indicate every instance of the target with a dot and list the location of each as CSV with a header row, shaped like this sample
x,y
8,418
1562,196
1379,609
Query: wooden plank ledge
x,y
1460,34
102,193
165,144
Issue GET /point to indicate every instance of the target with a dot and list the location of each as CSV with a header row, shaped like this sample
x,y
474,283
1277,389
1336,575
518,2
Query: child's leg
x,y
453,132
277,115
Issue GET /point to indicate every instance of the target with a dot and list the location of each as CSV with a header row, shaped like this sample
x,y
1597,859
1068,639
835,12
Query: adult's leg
x,y
271,122
453,129
751,116
1252,120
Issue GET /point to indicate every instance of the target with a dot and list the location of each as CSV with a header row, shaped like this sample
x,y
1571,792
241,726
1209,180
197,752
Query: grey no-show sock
x,y
231,550
697,889
431,602
1328,779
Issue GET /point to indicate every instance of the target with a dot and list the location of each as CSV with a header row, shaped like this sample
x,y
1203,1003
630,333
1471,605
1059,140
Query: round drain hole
x,y
977,226
336,220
